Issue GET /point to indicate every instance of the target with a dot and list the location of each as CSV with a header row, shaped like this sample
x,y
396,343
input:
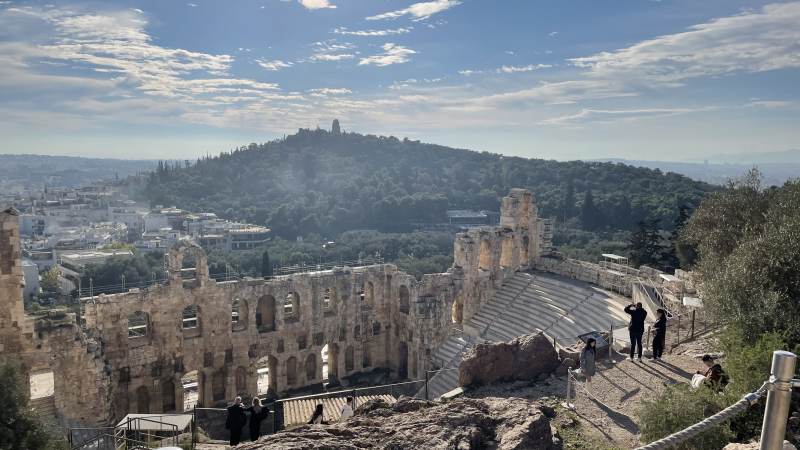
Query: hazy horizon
x,y
639,80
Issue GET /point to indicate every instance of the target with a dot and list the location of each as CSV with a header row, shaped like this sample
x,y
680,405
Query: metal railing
x,y
133,433
324,266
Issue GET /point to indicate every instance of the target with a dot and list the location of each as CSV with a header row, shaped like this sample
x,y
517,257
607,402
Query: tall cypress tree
x,y
266,267
591,217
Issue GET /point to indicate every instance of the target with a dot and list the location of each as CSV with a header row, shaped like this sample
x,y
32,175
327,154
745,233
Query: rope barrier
x,y
709,422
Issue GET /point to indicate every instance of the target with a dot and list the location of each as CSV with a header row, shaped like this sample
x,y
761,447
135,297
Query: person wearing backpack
x,y
715,376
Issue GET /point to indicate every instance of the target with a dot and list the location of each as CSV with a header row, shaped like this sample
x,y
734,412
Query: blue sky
x,y
645,79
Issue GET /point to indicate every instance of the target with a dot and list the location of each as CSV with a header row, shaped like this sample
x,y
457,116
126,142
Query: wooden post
x,y
693,311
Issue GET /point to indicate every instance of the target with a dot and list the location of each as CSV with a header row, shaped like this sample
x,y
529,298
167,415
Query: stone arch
x,y
267,371
218,386
138,325
265,313
349,358
507,252
190,317
241,380
175,262
357,331
291,371
402,363
142,400
168,396
239,315
191,389
311,367
291,307
526,243
404,300
414,365
457,310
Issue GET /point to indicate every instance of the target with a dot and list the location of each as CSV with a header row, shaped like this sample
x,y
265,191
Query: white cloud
x,y
137,10
392,54
560,93
771,104
469,72
419,11
332,56
332,50
329,92
346,32
751,42
192,5
552,33
276,64
528,68
601,115
316,4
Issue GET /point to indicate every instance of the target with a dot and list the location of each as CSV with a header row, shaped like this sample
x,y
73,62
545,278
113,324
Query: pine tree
x,y
591,217
568,206
644,247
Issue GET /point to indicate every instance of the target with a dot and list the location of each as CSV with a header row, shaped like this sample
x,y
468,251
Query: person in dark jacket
x,y
636,327
660,337
257,415
716,378
317,417
236,421
588,356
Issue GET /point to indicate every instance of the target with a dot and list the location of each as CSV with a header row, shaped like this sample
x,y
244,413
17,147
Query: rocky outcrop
x,y
463,424
524,358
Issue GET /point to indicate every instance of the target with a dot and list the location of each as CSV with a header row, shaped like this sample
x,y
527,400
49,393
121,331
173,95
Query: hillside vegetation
x,y
318,182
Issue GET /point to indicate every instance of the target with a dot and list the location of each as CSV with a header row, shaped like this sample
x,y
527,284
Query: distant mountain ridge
x,y
35,171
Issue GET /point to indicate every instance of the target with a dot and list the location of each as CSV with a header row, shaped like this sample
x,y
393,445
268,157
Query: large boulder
x,y
461,424
524,358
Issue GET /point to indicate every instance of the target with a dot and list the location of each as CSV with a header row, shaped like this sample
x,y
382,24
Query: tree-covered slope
x,y
320,182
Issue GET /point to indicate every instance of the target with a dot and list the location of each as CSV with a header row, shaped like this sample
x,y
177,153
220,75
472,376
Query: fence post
x,y
194,425
678,331
779,396
426,385
611,343
567,400
693,311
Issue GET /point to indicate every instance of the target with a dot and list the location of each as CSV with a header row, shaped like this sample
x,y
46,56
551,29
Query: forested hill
x,y
320,182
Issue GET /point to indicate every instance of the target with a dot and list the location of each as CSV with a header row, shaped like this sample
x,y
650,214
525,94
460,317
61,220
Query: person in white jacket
x,y
347,409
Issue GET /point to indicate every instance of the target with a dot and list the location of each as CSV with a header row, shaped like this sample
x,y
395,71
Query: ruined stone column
x,y
12,311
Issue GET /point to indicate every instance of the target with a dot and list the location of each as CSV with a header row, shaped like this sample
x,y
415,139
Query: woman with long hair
x,y
588,355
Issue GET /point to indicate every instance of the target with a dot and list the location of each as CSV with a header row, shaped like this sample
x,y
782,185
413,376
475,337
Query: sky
x,y
584,79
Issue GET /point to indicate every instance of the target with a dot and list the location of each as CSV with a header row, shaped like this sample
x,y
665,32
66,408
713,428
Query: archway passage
x,y
525,254
507,252
324,354
190,384
168,396
331,367
266,370
291,371
142,400
311,367
402,355
349,358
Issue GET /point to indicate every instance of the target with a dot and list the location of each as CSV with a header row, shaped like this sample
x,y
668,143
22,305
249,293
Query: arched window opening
x,y
42,384
191,389
311,367
238,315
218,386
189,317
265,313
376,328
267,370
327,300
137,325
360,295
404,300
402,363
526,242
291,306
357,331
369,294
349,358
291,371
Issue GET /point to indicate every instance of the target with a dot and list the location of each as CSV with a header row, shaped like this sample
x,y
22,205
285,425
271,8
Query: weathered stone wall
x,y
374,317
588,272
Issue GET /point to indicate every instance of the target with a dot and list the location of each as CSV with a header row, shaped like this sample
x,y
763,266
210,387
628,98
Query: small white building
x,y
30,272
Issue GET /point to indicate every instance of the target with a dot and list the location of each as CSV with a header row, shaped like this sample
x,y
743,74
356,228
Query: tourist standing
x,y
347,409
636,327
257,414
588,354
235,421
660,337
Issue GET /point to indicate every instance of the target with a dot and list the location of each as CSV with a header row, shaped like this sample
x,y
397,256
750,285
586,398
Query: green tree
x,y
645,244
49,281
19,429
591,217
266,267
568,203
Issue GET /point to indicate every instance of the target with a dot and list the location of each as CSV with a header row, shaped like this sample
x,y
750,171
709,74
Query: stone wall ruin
x,y
132,350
